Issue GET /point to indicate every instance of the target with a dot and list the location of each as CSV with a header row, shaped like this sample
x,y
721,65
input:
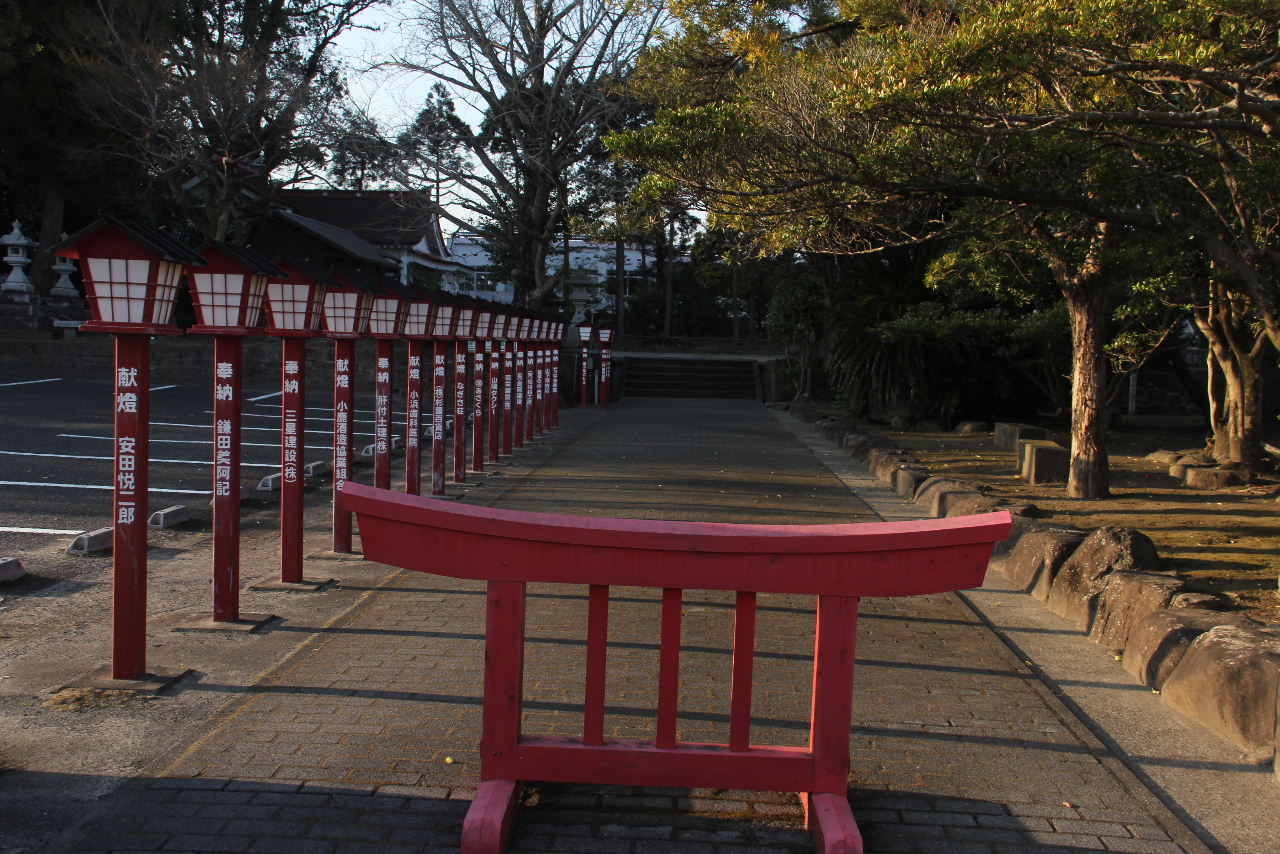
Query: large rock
x,y
967,504
1158,641
907,479
1127,598
1037,556
883,462
970,428
934,494
1008,433
861,444
1075,589
1228,680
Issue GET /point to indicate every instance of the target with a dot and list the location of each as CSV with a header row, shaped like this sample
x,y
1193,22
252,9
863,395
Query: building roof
x,y
383,217
340,238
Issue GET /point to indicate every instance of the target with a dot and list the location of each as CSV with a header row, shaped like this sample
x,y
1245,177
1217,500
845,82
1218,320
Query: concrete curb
x,y
91,542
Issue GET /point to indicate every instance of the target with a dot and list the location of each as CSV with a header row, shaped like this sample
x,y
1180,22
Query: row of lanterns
x,y
132,275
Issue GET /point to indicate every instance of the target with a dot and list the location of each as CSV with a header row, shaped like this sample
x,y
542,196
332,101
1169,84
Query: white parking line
x,y
94,486
265,396
259,429
152,459
360,411
4,530
327,419
32,382
194,442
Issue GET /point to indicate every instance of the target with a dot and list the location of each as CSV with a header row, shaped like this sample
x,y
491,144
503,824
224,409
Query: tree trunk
x,y
1235,380
1087,312
51,218
669,282
620,263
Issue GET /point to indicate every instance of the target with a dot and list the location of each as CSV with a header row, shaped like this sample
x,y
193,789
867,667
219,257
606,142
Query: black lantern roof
x,y
152,239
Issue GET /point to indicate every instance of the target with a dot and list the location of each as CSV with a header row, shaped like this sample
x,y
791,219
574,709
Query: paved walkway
x,y
364,740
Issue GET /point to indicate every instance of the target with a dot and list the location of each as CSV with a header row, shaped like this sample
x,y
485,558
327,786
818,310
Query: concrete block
x,y
170,516
1046,463
1127,598
271,483
1203,477
1008,433
11,569
316,468
1164,458
1228,680
1024,450
91,542
1074,592
1158,641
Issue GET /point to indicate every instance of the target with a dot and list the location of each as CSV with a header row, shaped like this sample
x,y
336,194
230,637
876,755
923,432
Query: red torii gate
x,y
837,563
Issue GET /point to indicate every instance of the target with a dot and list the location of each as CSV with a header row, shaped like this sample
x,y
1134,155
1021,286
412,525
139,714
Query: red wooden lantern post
x,y
492,346
294,309
228,295
585,333
386,324
464,338
131,272
443,327
479,409
606,365
417,329
346,318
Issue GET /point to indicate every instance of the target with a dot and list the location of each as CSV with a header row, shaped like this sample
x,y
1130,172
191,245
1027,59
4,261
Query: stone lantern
x,y
17,255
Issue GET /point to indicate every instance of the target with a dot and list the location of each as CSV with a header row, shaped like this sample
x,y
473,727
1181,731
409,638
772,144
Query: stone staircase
x,y
650,376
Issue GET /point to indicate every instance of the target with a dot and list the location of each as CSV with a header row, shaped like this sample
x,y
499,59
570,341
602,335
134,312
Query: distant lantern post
x,y
294,306
541,420
555,372
508,383
585,333
346,318
493,347
228,295
386,324
606,365
530,378
479,407
417,329
517,361
443,328
131,272
465,339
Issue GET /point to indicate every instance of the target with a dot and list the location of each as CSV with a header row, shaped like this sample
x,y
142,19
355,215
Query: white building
x,y
592,281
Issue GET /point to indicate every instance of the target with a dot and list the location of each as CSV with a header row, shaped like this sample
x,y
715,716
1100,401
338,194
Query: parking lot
x,y
55,451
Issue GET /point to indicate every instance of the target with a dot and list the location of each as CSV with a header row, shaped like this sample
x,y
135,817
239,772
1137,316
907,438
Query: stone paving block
x,y
956,745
